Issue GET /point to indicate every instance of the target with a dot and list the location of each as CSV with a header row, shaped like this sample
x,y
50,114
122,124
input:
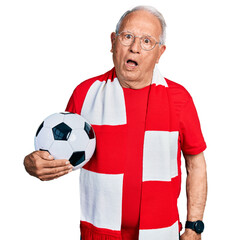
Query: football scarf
x,y
101,179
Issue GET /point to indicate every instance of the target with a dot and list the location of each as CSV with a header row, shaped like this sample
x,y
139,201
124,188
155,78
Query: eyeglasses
x,y
147,42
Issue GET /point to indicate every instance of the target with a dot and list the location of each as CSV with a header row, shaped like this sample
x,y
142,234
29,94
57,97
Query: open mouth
x,y
132,63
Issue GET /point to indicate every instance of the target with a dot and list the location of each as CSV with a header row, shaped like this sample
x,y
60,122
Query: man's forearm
x,y
196,186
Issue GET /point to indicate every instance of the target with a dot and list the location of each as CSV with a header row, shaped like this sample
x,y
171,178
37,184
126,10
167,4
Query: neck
x,y
135,84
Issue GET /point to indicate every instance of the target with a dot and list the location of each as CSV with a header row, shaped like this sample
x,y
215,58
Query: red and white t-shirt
x,y
119,119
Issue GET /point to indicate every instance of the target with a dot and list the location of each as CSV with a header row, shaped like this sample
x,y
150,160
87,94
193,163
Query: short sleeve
x,y
71,104
75,102
77,98
191,138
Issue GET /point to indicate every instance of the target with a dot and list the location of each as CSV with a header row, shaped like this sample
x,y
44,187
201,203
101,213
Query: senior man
x,y
142,122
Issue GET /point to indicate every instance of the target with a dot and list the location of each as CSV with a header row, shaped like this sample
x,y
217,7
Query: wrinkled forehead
x,y
141,22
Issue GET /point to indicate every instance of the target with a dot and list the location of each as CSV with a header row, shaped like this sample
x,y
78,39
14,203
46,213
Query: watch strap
x,y
197,226
190,225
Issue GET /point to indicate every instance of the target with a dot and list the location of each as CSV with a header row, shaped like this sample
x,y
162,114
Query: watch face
x,y
199,226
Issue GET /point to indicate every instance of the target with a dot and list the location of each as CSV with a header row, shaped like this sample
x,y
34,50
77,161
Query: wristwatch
x,y
197,226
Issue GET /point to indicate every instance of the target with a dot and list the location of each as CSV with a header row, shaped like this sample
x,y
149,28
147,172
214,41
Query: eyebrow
x,y
143,34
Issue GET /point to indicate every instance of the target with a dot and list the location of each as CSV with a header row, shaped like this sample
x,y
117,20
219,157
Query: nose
x,y
135,46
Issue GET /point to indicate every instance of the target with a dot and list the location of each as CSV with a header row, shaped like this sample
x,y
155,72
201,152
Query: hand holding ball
x,y
67,136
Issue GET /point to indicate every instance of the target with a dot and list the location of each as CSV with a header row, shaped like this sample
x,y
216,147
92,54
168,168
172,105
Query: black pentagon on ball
x,y
39,129
89,130
77,158
61,132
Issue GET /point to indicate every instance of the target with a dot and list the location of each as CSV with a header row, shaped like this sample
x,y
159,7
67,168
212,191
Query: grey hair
x,y
153,11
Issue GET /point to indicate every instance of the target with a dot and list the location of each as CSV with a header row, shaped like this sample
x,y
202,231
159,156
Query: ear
x,y
161,51
113,36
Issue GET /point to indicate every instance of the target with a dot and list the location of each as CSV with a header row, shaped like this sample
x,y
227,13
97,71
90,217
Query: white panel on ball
x,y
72,119
44,139
78,140
61,150
53,120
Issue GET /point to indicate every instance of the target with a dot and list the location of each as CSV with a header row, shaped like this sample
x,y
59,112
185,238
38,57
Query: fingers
x,y
50,163
43,166
55,163
44,155
49,168
54,176
56,170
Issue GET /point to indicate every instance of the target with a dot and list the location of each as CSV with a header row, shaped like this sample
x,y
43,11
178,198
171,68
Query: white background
x,y
47,47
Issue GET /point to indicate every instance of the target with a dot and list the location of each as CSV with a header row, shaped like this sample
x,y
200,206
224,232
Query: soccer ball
x,y
67,136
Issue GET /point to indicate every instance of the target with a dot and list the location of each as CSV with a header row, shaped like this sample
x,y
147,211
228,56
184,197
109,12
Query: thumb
x,y
45,155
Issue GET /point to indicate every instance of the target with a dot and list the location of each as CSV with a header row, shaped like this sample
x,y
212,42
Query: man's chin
x,y
131,75
129,81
